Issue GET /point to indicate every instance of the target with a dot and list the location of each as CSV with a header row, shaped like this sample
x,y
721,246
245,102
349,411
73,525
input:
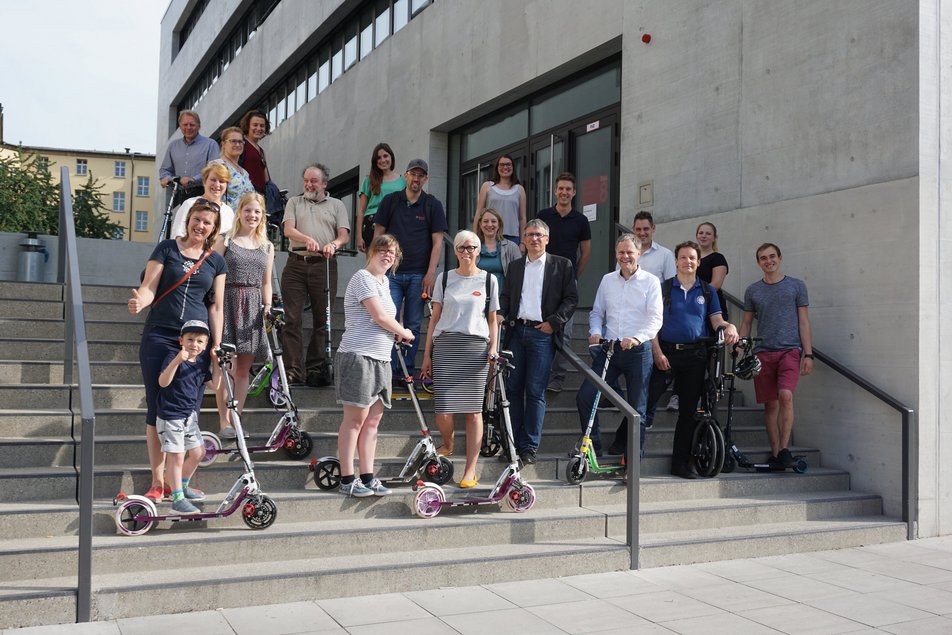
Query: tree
x,y
90,214
29,199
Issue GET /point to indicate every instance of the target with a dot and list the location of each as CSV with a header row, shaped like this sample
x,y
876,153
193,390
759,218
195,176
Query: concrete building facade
x,y
816,125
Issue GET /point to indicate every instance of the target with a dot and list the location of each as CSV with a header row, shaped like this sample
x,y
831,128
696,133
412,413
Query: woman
x,y
460,342
255,127
381,181
497,252
250,257
215,178
232,145
505,194
179,274
362,380
712,268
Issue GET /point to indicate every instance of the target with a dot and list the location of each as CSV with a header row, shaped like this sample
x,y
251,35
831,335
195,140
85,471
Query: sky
x,y
80,74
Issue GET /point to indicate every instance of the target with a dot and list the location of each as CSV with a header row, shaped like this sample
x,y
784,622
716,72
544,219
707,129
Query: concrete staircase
x,y
323,545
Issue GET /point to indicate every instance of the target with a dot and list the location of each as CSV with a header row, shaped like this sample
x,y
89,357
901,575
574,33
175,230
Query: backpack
x,y
488,291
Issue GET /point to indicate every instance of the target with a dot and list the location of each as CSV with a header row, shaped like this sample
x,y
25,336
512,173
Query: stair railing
x,y
77,352
910,430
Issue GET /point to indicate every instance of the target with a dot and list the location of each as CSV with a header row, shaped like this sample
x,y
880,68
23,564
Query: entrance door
x,y
548,160
594,159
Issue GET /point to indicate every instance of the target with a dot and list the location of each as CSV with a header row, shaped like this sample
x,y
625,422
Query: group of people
x,y
514,287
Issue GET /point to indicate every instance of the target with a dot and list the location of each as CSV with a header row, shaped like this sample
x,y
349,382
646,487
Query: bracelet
x,y
808,355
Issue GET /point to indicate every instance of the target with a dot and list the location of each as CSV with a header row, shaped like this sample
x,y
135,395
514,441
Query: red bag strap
x,y
184,278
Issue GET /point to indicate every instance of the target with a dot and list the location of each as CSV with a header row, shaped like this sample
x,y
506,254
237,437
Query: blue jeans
x,y
532,352
635,365
407,289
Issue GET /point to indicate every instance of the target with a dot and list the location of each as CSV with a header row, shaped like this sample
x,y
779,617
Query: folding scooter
x,y
297,443
423,460
137,514
585,459
494,439
431,498
747,368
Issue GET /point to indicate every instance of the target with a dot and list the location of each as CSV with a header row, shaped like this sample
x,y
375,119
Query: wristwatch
x,y
808,355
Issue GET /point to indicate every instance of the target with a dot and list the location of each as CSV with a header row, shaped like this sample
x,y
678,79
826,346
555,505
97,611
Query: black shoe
x,y
774,463
684,472
318,379
616,449
295,381
786,458
528,456
599,452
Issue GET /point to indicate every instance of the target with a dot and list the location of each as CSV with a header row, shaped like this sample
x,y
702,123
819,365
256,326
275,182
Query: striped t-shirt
x,y
362,335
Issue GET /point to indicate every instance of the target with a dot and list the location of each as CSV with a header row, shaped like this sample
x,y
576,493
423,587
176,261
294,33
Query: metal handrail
x,y
910,430
634,445
77,350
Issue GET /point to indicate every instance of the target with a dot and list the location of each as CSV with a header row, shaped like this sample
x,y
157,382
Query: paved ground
x,y
892,588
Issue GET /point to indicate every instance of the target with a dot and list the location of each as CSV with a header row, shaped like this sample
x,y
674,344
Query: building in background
x,y
815,125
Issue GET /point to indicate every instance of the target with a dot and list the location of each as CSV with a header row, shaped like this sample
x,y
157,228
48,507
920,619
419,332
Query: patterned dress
x,y
239,184
244,318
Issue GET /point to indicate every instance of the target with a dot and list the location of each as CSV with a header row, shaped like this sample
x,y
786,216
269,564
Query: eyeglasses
x,y
207,203
237,142
467,248
535,236
505,165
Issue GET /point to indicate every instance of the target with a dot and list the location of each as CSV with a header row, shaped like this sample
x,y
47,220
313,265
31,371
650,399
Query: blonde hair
x,y
218,170
479,218
261,231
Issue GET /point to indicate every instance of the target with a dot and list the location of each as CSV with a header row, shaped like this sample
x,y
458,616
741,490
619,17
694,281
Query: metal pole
x,y
634,489
551,167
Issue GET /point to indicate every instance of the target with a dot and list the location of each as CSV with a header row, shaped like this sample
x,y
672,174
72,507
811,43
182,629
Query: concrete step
x,y
207,587
725,543
51,292
52,350
31,309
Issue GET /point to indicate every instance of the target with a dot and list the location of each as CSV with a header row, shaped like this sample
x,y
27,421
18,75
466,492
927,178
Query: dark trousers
x,y
300,280
687,371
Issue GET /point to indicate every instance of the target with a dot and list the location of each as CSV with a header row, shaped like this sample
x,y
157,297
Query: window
x,y
142,221
118,233
401,14
382,30
120,169
418,5
366,34
82,167
301,89
312,78
142,186
43,164
324,72
337,60
350,47
118,201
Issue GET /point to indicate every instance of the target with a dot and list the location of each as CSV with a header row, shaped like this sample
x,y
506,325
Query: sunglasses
x,y
215,207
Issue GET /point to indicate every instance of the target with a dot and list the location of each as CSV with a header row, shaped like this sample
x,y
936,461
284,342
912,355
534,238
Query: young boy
x,y
180,389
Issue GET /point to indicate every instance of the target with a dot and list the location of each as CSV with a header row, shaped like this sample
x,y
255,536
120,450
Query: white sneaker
x,y
673,403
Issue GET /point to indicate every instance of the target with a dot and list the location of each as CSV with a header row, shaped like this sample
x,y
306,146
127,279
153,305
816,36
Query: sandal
x,y
443,451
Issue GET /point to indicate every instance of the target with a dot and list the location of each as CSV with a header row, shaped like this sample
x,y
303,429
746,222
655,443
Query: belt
x,y
683,347
529,323
307,259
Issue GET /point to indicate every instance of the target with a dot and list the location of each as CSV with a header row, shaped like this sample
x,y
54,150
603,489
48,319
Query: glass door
x,y
548,159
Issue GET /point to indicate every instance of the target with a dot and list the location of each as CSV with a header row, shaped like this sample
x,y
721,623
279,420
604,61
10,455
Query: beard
x,y
317,197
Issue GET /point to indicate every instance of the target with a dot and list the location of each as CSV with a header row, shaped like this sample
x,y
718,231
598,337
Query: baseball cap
x,y
194,326
418,164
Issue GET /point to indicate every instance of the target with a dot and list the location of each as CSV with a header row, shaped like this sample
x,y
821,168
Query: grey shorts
x,y
179,435
360,381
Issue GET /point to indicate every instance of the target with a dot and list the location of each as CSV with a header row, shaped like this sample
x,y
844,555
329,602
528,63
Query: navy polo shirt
x,y
407,223
686,317
565,233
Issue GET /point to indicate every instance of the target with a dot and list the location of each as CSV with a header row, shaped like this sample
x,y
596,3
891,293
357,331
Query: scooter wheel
x,y
438,470
576,470
327,474
491,443
428,501
298,444
800,466
730,464
129,517
275,394
212,448
521,498
259,512
707,448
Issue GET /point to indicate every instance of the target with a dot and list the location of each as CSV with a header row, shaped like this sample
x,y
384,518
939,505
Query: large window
x,y
142,221
82,167
119,169
142,186
118,201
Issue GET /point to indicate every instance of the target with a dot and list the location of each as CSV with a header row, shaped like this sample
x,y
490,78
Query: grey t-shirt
x,y
775,306
464,303
361,334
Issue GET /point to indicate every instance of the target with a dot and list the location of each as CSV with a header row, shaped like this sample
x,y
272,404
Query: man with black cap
x,y
417,220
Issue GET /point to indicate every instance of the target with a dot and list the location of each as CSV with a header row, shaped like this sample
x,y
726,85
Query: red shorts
x,y
780,371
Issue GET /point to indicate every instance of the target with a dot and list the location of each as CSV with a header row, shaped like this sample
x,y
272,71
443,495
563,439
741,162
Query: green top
x,y
386,187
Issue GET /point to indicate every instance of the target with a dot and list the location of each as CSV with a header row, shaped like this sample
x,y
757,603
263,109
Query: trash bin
x,y
33,258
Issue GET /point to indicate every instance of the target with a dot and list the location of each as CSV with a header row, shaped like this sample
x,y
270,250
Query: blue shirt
x,y
182,396
686,317
187,301
188,159
407,223
565,233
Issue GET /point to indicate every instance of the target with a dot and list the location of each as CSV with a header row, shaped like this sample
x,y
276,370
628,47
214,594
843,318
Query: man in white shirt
x,y
628,311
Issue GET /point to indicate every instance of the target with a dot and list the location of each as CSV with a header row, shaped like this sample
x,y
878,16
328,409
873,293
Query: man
x,y
688,304
185,157
627,309
317,225
658,260
570,237
539,296
781,305
417,220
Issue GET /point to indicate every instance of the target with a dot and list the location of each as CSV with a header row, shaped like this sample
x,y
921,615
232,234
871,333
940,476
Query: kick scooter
x,y
423,460
430,498
137,514
585,459
297,443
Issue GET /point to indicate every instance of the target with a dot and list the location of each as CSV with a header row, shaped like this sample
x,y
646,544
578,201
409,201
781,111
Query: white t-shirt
x,y
362,335
465,301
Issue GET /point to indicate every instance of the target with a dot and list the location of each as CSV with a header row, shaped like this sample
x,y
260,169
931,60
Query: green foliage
x,y
29,198
90,215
